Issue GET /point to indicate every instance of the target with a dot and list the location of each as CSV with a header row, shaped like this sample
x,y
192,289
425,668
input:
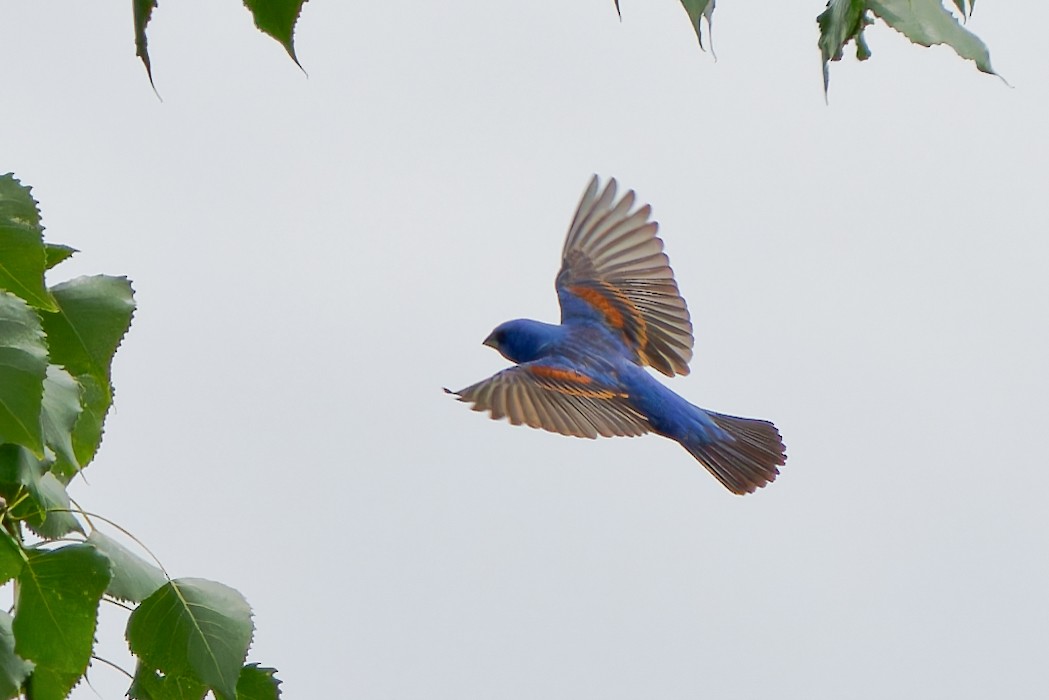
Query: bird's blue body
x,y
586,345
620,313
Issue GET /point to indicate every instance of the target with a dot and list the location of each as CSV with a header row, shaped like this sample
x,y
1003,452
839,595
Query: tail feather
x,y
746,462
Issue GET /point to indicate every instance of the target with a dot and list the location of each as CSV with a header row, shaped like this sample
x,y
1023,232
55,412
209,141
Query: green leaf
x,y
863,51
134,579
257,683
697,11
193,628
49,684
143,11
150,685
60,410
23,366
56,253
16,464
87,435
52,518
924,22
56,614
46,505
13,668
277,18
22,255
11,558
928,22
843,21
94,314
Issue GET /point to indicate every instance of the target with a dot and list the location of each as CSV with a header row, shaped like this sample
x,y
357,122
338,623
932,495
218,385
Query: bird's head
x,y
522,340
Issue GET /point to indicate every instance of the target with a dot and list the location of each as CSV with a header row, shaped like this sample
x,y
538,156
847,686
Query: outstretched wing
x,y
557,398
613,269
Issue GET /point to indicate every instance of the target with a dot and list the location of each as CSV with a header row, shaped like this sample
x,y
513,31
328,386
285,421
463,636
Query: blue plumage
x,y
620,311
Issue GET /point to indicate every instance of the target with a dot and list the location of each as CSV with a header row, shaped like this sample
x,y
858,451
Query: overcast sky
x,y
315,257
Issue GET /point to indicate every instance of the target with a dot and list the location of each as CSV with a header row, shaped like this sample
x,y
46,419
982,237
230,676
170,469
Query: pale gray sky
x,y
316,257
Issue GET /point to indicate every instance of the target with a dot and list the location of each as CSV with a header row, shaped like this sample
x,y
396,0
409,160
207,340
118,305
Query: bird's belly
x,y
668,414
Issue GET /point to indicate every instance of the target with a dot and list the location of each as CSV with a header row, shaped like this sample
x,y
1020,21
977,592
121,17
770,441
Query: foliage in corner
x,y
697,10
277,18
274,17
924,22
843,21
190,636
142,12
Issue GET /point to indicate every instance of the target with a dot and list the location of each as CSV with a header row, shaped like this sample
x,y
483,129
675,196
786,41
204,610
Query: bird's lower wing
x,y
557,398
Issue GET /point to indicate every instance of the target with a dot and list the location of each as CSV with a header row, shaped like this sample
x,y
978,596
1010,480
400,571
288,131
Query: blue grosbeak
x,y
620,311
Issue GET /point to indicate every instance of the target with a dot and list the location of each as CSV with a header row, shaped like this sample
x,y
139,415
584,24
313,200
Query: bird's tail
x,y
747,459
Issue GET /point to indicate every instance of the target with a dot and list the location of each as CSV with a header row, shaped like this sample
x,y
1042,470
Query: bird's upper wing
x,y
614,270
556,397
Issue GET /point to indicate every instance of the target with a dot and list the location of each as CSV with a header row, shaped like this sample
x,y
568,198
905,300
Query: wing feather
x,y
613,261
556,398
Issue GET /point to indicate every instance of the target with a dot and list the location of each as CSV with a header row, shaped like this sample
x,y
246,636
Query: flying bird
x,y
620,313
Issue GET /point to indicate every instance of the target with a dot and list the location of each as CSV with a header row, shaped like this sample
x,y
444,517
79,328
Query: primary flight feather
x,y
620,312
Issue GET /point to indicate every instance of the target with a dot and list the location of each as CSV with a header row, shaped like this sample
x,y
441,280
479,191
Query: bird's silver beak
x,y
490,341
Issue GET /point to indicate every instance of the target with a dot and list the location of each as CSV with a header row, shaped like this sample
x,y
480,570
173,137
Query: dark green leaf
x,y
277,18
150,685
60,410
143,11
843,21
56,253
196,629
258,683
52,518
48,684
13,668
46,505
87,435
698,10
94,314
57,610
18,464
23,366
11,558
134,579
928,22
22,256
9,456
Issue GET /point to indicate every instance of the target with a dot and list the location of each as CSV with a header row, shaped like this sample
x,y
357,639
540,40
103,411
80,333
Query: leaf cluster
x,y
274,17
190,636
924,22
